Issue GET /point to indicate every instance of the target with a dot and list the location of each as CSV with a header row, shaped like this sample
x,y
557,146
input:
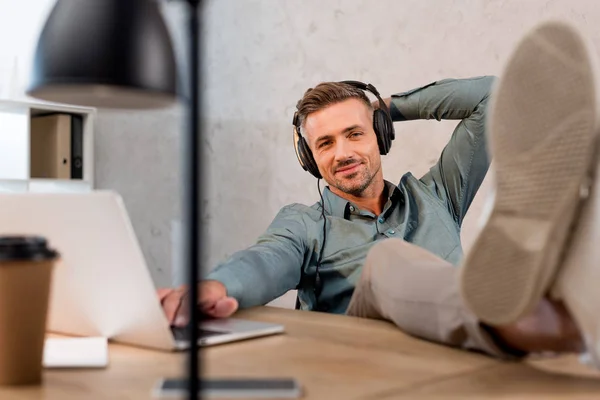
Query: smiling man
x,y
376,249
340,136
321,249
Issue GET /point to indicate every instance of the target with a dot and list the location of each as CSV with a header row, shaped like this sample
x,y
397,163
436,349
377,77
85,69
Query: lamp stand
x,y
192,187
192,198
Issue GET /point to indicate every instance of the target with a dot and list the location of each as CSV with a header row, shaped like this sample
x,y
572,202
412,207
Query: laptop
x,y
102,285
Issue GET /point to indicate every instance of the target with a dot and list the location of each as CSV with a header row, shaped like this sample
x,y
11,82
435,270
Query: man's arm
x,y
269,268
462,166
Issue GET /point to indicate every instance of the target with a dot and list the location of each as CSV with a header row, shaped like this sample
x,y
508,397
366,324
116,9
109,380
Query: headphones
x,y
382,125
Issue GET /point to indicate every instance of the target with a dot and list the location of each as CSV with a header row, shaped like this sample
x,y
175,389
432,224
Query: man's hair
x,y
326,94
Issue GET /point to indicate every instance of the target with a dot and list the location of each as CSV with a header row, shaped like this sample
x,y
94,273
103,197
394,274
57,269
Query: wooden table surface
x,y
333,357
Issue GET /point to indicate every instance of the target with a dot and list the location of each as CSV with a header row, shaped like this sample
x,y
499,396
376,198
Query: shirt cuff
x,y
395,113
232,284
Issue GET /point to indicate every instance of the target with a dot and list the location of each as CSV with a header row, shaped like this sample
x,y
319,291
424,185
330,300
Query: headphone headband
x,y
363,86
359,85
370,88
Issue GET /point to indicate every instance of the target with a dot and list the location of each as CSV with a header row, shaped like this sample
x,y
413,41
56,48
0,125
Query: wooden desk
x,y
333,357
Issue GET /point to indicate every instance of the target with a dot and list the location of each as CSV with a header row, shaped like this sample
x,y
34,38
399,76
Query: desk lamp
x,y
118,54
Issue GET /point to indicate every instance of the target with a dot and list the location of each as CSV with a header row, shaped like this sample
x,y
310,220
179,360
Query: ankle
x,y
549,328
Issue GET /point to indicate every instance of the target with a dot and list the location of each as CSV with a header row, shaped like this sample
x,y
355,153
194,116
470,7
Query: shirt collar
x,y
339,207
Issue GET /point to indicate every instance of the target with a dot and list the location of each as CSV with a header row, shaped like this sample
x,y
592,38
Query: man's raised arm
x,y
462,166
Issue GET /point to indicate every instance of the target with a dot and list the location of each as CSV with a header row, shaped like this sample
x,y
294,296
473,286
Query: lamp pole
x,y
123,48
192,195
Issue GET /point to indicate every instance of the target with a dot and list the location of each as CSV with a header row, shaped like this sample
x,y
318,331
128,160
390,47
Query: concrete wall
x,y
263,55
260,56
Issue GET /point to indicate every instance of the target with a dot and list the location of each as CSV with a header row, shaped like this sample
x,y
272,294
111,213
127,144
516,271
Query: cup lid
x,y
25,248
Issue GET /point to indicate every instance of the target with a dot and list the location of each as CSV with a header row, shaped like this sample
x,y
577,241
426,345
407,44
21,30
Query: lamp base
x,y
260,388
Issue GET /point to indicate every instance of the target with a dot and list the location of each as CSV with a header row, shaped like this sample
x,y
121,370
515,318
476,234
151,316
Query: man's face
x,y
344,145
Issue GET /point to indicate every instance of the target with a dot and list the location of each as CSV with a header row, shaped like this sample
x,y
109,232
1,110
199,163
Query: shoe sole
x,y
543,134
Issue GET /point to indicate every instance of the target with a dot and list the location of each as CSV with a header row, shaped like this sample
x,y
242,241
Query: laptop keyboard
x,y
180,334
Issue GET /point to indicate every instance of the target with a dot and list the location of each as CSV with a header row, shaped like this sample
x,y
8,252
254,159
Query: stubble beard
x,y
355,188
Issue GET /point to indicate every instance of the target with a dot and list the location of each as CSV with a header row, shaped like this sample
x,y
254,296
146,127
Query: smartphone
x,y
263,388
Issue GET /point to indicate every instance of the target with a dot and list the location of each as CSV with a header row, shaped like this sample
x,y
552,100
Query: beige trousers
x,y
419,292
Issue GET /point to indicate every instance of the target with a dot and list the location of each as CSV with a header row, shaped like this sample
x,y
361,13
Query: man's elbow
x,y
490,84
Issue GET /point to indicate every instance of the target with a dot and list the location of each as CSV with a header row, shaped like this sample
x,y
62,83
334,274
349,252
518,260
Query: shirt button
x,y
381,220
352,208
391,231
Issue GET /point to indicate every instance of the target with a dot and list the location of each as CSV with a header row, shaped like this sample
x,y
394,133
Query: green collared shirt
x,y
426,211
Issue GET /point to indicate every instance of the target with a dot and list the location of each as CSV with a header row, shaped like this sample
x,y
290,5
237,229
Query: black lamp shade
x,y
105,53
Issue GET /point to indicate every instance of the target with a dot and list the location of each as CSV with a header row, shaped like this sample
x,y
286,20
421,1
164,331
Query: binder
x,y
76,146
57,146
50,155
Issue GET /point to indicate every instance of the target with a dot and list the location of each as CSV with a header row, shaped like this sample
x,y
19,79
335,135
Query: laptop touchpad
x,y
181,334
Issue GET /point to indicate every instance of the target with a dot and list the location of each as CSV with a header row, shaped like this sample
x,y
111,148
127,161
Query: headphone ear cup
x,y
308,159
304,155
384,131
390,129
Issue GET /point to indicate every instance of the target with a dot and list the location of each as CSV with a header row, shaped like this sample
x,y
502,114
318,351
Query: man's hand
x,y
387,102
212,301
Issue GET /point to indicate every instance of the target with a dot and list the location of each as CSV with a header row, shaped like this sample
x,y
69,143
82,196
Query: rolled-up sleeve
x,y
464,162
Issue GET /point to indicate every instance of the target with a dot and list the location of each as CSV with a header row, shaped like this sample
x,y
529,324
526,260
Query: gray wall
x,y
260,56
137,154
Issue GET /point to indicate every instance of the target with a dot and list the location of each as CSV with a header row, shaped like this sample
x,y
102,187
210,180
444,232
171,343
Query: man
x,y
361,208
411,231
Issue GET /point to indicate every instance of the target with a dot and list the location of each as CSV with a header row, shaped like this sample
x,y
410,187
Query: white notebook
x,y
85,352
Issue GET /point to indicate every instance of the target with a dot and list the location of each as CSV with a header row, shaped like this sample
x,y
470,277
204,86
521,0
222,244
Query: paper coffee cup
x,y
26,265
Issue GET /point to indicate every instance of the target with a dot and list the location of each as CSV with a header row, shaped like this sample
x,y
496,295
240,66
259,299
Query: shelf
x,y
41,107
44,186
40,152
58,185
13,186
14,143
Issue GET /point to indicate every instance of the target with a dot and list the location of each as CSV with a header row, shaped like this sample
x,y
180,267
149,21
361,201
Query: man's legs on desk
x,y
419,292
544,137
540,239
